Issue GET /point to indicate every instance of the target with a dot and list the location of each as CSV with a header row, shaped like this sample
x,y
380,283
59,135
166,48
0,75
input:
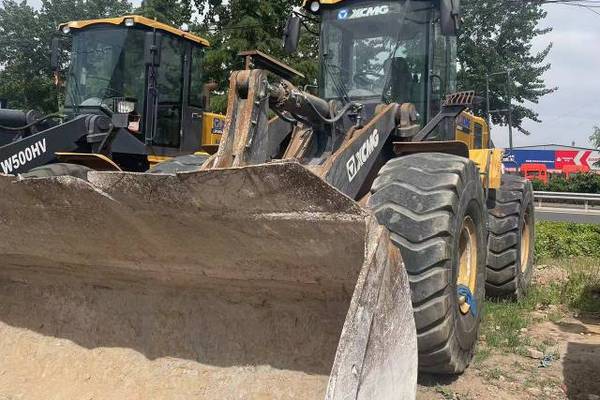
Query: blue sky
x,y
569,114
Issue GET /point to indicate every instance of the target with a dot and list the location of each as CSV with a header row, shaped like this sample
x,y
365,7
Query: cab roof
x,y
137,20
307,2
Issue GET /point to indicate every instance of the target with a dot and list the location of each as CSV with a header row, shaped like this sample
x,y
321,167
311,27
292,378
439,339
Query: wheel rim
x,y
467,267
525,243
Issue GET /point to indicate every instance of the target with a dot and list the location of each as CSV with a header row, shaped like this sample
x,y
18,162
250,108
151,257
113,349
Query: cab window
x,y
196,97
170,88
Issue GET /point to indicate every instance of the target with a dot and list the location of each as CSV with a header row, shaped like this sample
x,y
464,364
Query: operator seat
x,y
401,81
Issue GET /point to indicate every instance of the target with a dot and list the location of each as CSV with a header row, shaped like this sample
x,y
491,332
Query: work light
x,y
125,107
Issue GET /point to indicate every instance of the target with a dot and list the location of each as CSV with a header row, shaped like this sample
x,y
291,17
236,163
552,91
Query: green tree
x,y
26,78
595,138
497,36
172,12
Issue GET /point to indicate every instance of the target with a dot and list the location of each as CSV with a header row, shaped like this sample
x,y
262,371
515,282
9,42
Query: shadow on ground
x,y
433,380
582,370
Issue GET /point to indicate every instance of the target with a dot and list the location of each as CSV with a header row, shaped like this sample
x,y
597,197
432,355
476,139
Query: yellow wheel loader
x,y
135,96
324,253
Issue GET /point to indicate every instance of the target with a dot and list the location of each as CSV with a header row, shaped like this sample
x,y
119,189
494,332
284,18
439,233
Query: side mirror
x,y
152,48
291,37
55,54
450,17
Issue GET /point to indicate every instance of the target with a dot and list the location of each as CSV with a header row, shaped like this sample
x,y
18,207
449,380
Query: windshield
x,y
376,49
106,63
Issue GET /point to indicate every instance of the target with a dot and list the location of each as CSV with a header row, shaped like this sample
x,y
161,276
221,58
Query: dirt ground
x,y
571,371
574,375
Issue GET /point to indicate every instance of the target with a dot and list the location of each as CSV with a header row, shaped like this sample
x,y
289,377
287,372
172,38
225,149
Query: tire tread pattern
x,y
504,279
416,198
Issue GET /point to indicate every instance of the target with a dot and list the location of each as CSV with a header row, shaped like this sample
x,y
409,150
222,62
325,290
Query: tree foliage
x,y
577,183
25,37
497,36
595,138
172,12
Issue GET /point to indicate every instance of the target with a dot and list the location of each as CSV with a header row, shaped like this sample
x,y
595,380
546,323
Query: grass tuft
x,y
504,321
582,291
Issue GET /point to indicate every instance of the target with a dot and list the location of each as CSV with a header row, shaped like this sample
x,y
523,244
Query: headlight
x,y
315,6
125,107
129,22
66,29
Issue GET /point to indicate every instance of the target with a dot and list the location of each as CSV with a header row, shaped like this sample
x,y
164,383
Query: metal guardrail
x,y
568,207
556,198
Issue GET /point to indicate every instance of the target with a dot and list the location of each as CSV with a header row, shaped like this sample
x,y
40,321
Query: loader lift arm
x,y
344,159
84,131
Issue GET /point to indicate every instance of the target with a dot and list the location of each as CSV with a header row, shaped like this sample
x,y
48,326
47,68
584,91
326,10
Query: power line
x,y
592,10
590,5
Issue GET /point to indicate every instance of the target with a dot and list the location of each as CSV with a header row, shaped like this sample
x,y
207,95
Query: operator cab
x,y
148,70
374,51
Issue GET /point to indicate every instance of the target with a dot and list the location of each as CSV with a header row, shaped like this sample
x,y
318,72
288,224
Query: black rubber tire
x,y
511,210
58,169
187,163
424,199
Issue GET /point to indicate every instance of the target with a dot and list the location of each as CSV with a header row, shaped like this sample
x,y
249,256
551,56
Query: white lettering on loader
x,y
23,157
358,160
363,12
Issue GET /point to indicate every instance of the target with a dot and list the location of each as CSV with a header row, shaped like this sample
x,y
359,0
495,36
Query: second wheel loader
x,y
324,253
135,96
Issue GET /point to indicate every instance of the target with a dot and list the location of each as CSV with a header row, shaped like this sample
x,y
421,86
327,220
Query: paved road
x,y
579,216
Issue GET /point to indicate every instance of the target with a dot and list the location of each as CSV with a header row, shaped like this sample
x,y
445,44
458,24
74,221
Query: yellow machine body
x,y
472,130
133,20
212,130
475,133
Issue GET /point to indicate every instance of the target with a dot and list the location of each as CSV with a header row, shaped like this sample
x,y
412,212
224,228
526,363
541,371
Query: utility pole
x,y
508,100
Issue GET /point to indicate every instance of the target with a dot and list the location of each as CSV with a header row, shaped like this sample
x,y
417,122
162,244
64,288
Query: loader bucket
x,y
259,282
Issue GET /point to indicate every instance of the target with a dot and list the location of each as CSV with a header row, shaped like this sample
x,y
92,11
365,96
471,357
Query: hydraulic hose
x,y
32,124
335,118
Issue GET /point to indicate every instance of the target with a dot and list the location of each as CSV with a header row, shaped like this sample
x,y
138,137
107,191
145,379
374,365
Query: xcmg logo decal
x,y
363,12
343,14
360,158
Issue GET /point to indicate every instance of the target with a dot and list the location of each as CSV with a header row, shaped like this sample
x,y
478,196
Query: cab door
x,y
194,100
169,103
